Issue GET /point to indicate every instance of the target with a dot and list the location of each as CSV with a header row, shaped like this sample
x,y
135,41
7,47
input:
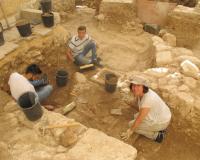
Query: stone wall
x,y
13,6
63,5
184,23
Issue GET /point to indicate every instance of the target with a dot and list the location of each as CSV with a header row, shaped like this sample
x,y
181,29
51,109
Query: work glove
x,y
126,135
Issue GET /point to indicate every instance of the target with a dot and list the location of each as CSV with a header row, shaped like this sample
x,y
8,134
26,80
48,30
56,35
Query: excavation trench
x,y
93,103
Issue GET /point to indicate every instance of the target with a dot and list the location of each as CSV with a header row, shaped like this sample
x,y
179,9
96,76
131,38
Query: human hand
x,y
126,135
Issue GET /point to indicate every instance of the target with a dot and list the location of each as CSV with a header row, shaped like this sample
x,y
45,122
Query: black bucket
x,y
2,41
110,82
48,19
30,105
24,28
61,78
46,6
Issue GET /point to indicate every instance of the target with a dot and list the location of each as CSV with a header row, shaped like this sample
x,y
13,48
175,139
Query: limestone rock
x,y
11,107
189,69
95,145
191,82
68,138
170,39
193,59
162,47
178,51
157,72
156,40
116,112
163,58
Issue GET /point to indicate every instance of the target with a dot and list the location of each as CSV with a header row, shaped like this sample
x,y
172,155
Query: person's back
x,y
159,111
19,85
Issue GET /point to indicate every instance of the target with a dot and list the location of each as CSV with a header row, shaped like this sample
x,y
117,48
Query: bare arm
x,y
69,54
142,114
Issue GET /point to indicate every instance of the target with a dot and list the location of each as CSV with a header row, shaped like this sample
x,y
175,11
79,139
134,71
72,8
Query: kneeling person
x,y
22,85
79,46
154,115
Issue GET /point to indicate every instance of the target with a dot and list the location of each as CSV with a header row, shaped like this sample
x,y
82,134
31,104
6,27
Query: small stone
x,y
170,39
68,137
189,69
69,107
156,40
116,112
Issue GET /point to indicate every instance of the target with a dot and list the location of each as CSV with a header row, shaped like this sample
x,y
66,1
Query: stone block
x,y
34,16
189,69
118,11
162,47
157,72
192,59
116,112
182,22
41,30
95,145
179,51
170,39
63,5
163,58
7,48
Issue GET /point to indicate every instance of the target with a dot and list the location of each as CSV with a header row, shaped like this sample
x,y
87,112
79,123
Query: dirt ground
x,y
94,111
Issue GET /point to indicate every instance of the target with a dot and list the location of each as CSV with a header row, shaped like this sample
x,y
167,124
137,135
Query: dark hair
x,y
145,88
82,28
33,69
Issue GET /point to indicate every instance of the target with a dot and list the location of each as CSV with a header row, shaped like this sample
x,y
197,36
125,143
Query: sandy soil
x,y
95,110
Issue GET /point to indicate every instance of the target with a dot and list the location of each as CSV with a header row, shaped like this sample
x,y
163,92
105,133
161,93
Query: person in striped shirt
x,y
79,46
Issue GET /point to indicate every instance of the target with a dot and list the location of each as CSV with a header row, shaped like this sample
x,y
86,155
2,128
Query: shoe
x,y
160,137
97,62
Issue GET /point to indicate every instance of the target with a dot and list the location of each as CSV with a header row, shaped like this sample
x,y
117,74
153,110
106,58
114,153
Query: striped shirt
x,y
77,45
159,111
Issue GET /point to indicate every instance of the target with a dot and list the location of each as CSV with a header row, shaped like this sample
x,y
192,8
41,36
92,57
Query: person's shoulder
x,y
74,38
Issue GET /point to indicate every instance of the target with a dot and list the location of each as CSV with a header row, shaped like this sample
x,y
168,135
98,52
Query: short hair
x,y
82,28
145,88
33,69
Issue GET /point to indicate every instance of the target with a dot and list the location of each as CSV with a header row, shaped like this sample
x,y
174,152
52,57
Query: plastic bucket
x,y
110,82
2,41
46,6
24,28
30,105
48,19
61,78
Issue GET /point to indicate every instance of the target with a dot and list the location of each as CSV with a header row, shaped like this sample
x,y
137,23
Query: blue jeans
x,y
80,60
44,92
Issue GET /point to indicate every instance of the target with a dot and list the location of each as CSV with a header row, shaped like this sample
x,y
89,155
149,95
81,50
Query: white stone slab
x,y
7,48
95,145
40,29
